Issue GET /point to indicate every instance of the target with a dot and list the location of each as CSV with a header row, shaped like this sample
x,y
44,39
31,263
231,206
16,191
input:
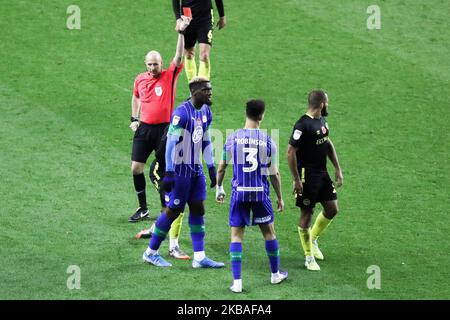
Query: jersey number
x,y
251,157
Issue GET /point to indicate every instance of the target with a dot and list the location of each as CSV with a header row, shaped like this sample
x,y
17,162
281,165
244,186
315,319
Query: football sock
x,y
319,226
204,69
162,226
191,68
139,186
274,254
305,238
236,259
175,229
173,243
197,228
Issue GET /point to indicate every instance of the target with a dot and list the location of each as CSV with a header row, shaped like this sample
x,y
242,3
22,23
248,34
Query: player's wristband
x,y
220,189
134,119
182,32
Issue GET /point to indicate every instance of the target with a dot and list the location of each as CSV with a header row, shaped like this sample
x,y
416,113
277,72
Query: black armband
x,y
134,119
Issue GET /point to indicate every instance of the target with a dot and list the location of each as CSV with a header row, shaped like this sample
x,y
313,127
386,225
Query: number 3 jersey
x,y
251,152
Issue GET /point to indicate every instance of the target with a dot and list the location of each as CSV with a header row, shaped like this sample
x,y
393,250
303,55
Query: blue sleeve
x,y
227,149
177,122
170,153
272,151
177,125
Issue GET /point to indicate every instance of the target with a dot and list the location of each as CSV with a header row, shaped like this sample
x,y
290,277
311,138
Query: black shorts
x,y
156,175
201,33
317,187
146,139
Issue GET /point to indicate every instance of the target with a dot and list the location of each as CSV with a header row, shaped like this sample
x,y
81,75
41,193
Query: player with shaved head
x,y
151,107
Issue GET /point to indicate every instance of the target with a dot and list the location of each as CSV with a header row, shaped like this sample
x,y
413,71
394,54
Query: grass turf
x,y
66,189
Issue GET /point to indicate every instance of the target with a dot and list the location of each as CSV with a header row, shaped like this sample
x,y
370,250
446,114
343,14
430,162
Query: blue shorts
x,y
262,212
186,189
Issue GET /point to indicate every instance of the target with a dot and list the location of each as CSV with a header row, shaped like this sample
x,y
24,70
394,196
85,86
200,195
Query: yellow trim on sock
x,y
190,68
320,225
175,228
204,69
306,240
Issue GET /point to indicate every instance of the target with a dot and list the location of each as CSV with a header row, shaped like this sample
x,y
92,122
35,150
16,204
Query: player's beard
x,y
324,112
208,101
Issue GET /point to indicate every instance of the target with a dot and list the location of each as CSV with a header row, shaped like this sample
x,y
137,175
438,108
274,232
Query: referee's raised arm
x,y
180,27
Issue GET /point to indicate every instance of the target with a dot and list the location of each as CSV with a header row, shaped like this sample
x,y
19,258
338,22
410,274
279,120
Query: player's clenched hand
x,y
220,194
222,22
182,23
297,187
280,205
339,178
134,125
178,24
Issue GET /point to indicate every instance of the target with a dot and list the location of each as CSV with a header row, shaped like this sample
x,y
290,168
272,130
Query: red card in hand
x,y
187,12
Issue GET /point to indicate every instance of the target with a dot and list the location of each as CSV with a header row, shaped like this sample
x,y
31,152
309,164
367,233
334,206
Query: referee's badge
x,y
158,91
297,134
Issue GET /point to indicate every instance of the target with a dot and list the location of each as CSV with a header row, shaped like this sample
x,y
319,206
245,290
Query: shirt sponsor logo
x,y
297,134
158,91
322,140
175,120
197,135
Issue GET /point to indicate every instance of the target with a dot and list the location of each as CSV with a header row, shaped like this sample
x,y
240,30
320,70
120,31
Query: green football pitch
x,y
66,190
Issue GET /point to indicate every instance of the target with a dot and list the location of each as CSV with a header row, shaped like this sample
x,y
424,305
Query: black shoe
x,y
139,215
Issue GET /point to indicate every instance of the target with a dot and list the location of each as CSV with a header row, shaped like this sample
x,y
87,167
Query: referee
x,y
151,107
308,150
200,30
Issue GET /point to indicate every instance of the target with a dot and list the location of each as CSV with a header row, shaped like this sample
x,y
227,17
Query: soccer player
x,y
308,149
151,107
253,154
200,30
157,170
184,180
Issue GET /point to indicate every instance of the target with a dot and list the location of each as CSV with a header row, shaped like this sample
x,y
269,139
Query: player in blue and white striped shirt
x,y
184,181
253,155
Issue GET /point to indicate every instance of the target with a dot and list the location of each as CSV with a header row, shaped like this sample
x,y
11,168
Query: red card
x,y
187,12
